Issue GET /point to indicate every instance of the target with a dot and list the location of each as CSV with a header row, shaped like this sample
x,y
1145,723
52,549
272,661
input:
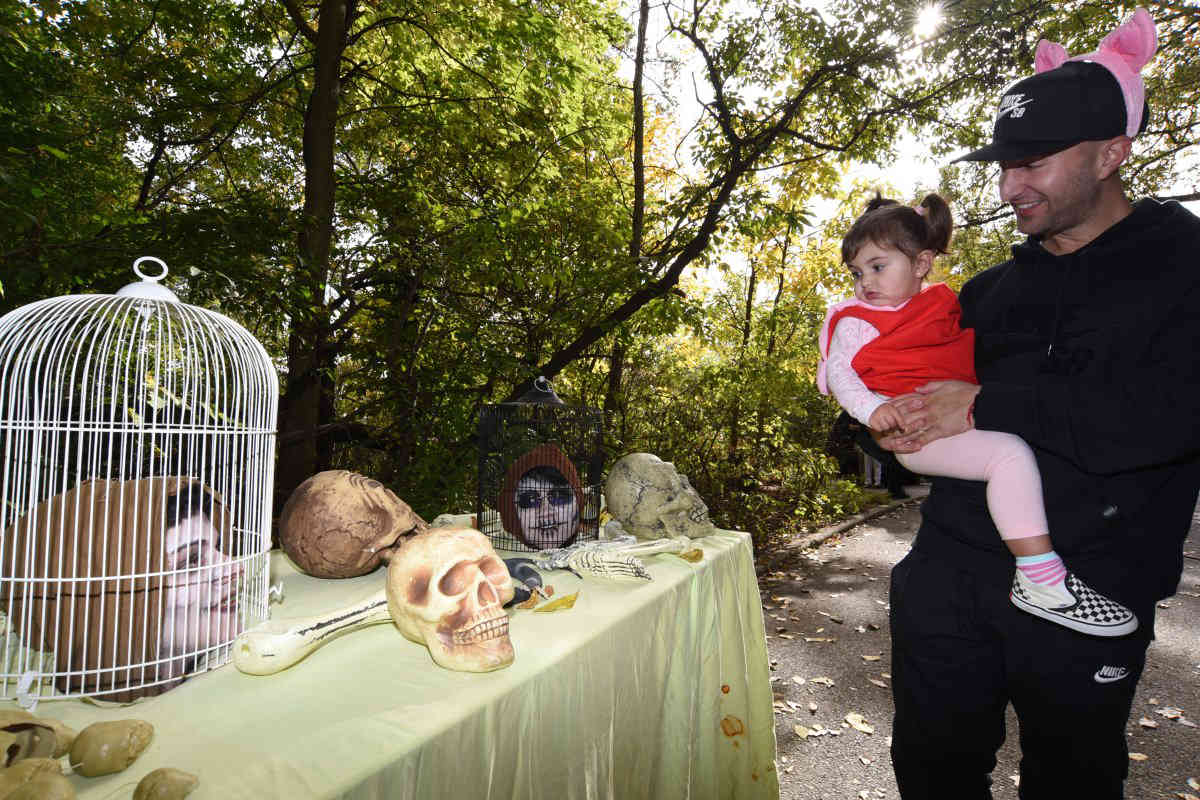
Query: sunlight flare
x,y
928,20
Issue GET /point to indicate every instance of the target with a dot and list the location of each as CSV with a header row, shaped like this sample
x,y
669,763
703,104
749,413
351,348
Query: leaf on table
x,y
1146,722
859,722
562,603
694,555
1138,756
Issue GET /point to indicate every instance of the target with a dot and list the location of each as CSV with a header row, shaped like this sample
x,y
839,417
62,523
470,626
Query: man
x,y
1085,347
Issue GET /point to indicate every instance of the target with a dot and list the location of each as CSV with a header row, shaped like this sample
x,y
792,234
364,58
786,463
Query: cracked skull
x,y
446,589
652,500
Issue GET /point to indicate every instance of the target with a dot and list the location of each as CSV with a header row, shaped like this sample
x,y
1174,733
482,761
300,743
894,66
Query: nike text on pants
x,y
961,652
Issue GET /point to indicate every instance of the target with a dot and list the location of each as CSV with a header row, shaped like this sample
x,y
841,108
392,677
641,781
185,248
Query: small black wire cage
x,y
540,466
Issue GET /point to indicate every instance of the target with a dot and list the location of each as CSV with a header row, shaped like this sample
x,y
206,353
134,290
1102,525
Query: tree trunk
x,y
307,402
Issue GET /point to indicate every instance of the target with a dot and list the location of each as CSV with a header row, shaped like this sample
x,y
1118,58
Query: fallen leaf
x,y
872,626
1164,605
798,680
793,705
1138,756
801,731
694,555
859,723
786,636
866,763
812,708
824,681
1146,722
566,601
885,675
860,629
818,639
1186,722
1016,779
878,683
871,658
1153,701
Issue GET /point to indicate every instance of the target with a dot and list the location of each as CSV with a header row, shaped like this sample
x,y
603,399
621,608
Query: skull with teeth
x,y
446,589
652,500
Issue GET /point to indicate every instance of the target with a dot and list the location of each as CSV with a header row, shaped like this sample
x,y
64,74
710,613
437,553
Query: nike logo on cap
x,y
1110,674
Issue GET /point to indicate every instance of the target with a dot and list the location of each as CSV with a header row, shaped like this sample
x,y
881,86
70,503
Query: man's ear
x,y
1111,155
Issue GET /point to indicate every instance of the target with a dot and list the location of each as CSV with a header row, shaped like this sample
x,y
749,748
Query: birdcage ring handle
x,y
144,276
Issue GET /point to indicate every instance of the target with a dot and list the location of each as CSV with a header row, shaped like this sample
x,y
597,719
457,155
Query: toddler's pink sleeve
x,y
850,335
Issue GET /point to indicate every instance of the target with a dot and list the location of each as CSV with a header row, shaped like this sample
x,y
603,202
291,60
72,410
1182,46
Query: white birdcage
x,y
137,440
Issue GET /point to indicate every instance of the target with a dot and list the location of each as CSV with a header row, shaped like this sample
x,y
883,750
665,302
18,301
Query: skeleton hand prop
x,y
278,644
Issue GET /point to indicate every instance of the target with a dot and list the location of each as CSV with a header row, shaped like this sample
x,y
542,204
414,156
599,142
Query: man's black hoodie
x,y
1093,358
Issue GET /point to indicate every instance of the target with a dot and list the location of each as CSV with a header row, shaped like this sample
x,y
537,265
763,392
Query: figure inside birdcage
x,y
127,584
541,499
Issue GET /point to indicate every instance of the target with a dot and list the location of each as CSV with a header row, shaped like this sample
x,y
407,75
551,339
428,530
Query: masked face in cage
x,y
541,499
546,507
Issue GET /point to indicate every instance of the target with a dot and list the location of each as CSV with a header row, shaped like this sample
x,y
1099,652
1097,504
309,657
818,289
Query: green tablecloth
x,y
656,691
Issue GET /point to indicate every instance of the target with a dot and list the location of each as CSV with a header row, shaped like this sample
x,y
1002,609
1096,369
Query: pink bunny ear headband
x,y
1123,53
1073,99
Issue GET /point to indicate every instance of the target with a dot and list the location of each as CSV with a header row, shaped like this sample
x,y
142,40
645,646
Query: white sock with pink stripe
x,y
1042,577
1046,568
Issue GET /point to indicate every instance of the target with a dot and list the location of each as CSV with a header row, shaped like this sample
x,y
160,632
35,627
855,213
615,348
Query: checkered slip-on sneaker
x,y
1090,612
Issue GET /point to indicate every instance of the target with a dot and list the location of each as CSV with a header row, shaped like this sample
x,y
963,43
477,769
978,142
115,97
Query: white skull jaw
x,y
652,500
446,589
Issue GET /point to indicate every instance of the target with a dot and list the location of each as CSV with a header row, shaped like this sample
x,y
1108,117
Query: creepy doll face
x,y
885,276
547,508
201,608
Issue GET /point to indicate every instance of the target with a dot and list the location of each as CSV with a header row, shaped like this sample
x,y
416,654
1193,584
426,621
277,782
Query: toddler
x,y
897,334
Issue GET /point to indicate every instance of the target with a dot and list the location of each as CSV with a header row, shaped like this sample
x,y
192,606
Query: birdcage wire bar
x,y
132,406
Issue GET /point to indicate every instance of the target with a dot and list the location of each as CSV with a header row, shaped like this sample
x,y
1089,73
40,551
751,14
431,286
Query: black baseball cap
x,y
1080,101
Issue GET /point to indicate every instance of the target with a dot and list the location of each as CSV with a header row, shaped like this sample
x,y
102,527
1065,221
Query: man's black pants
x,y
961,652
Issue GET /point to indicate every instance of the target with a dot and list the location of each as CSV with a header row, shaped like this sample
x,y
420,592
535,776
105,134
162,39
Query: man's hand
x,y
934,411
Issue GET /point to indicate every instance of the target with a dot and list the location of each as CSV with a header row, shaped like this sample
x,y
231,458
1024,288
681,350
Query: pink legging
x,y
1014,485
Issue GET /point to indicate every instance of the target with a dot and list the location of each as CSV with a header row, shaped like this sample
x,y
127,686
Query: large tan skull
x,y
339,524
446,589
652,500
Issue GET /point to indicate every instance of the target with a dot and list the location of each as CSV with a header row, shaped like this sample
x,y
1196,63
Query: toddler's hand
x,y
885,419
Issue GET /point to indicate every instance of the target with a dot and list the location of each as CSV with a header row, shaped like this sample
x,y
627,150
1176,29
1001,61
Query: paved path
x,y
826,615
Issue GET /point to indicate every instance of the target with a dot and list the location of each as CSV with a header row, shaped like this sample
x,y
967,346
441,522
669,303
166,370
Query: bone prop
x,y
277,644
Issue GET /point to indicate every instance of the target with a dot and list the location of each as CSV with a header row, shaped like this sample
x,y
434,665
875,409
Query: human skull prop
x,y
652,500
446,589
340,524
